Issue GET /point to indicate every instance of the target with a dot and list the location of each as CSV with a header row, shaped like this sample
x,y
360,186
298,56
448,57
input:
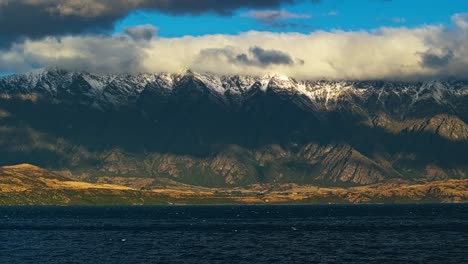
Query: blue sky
x,y
327,15
425,38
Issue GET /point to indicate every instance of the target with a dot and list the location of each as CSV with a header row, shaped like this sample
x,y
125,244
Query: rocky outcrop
x,y
447,126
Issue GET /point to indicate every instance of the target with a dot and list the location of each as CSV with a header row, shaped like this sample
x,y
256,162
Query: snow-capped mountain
x,y
105,90
234,130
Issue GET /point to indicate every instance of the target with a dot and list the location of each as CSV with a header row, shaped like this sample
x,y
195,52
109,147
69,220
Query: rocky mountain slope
x,y
227,131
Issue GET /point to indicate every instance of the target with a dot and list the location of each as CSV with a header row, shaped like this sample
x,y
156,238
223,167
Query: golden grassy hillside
x,y
30,185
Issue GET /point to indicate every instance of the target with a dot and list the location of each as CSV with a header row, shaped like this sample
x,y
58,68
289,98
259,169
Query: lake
x,y
236,234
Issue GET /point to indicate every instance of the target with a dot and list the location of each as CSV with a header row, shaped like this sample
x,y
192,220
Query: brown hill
x,y
30,185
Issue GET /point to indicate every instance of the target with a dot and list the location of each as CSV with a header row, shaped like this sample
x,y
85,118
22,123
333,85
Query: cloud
x,y
96,8
289,25
256,56
35,19
39,18
386,53
142,32
460,20
267,57
88,53
433,59
395,20
273,18
86,8
331,13
273,15
398,20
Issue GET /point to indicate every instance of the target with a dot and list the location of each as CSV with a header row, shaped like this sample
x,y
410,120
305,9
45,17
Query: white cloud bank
x,y
387,53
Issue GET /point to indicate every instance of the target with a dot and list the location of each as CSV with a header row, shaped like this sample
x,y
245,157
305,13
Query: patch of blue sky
x,y
326,15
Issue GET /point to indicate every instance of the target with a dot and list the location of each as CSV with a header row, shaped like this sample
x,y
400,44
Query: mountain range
x,y
233,131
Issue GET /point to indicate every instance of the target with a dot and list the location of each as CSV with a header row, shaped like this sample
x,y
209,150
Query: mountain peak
x,y
102,90
184,71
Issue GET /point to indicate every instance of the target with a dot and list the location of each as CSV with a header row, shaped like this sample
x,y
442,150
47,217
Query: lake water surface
x,y
235,234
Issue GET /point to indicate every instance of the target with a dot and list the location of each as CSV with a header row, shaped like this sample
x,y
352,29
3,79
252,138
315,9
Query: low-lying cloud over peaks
x,y
387,53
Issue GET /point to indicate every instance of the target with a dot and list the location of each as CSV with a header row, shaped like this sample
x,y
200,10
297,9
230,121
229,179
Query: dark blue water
x,y
235,234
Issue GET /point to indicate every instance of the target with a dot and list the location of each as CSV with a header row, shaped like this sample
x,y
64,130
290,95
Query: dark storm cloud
x,y
430,59
225,7
257,56
38,18
21,20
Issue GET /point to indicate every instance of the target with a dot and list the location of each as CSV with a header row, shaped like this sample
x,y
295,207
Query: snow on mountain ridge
x,y
115,90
